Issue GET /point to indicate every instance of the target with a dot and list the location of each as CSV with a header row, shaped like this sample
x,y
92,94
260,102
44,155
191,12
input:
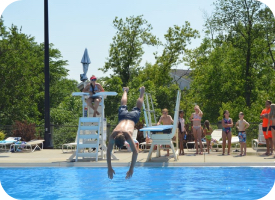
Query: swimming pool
x,y
146,183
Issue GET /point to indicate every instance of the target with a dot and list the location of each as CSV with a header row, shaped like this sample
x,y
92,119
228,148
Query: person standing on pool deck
x,y
207,132
93,88
242,125
227,123
124,130
182,132
165,119
196,118
267,134
271,118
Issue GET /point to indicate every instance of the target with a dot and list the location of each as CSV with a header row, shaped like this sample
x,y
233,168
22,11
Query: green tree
x,y
67,112
22,77
239,23
126,49
112,102
155,77
219,65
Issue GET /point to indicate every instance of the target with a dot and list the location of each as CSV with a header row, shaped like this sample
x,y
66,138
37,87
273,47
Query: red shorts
x,y
269,134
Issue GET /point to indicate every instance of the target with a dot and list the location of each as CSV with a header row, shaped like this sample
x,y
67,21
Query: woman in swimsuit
x,y
207,132
271,118
227,123
196,119
93,88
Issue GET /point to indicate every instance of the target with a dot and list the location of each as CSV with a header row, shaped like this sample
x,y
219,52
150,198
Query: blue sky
x,y
76,25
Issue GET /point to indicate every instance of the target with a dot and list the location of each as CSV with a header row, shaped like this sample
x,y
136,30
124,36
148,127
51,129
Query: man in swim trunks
x,y
165,119
242,125
268,136
271,118
124,130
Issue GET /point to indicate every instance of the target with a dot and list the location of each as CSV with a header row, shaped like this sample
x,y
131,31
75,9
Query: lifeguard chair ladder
x,y
147,111
88,138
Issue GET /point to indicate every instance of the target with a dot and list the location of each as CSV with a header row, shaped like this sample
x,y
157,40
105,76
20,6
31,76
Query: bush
x,y
2,135
24,130
63,134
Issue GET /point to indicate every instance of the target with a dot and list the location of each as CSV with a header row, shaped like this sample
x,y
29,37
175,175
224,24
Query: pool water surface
x,y
146,183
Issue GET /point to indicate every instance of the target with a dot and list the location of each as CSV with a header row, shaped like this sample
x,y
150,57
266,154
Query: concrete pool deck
x,y
55,158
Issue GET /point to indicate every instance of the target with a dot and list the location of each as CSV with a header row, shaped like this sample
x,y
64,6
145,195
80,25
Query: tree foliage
x,y
243,24
22,77
127,43
126,49
233,67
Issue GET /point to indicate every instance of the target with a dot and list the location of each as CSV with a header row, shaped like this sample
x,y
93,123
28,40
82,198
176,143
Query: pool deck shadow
x,y
55,158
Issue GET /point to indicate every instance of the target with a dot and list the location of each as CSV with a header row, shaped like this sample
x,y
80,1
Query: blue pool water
x,y
146,183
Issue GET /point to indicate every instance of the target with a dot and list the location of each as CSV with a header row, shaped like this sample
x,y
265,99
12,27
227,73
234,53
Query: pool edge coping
x,y
141,164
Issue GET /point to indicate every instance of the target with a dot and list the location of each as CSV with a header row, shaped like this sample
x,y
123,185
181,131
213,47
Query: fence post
x,y
52,135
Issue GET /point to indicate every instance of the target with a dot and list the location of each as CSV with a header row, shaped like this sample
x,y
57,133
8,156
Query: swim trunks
x,y
265,124
133,115
269,134
242,136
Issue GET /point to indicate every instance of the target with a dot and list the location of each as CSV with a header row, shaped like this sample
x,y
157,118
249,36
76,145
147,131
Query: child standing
x,y
207,130
181,133
242,125
227,123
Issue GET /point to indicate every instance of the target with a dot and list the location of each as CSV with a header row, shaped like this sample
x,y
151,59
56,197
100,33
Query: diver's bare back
x,y
125,126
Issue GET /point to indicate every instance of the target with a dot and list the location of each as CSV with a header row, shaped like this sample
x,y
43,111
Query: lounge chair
x,y
144,145
24,146
71,145
260,141
134,137
147,143
217,136
235,140
8,141
193,143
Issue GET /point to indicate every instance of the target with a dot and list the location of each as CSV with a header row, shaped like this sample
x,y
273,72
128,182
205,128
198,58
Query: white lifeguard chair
x,y
92,131
160,138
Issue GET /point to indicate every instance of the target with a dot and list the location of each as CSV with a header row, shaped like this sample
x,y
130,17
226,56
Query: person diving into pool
x,y
124,130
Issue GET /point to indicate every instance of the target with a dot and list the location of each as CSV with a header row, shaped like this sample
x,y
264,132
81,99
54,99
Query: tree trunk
x,y
248,83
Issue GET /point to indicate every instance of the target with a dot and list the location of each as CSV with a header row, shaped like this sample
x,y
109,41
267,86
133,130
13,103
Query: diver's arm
x,y
111,172
134,158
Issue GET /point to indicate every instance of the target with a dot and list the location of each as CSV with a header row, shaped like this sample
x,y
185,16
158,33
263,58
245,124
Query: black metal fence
x,y
62,134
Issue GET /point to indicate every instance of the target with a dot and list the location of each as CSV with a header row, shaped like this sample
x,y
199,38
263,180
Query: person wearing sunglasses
x,y
93,88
